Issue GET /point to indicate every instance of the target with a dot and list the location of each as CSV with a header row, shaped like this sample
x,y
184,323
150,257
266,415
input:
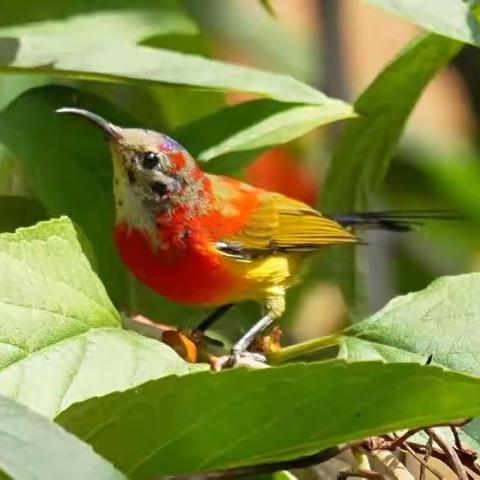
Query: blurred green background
x,y
326,43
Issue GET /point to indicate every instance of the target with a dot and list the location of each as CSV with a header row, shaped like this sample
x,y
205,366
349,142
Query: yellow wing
x,y
280,224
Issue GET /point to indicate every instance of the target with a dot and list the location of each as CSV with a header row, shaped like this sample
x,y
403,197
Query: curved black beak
x,y
108,128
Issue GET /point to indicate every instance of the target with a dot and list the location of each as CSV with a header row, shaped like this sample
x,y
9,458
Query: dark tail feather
x,y
394,220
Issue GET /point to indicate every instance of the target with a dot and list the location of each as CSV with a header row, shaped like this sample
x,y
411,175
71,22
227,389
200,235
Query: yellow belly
x,y
265,278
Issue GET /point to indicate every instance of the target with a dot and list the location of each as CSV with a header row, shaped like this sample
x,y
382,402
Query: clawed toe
x,y
240,359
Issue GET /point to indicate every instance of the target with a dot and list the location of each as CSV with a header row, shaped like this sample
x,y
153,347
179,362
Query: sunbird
x,y
211,240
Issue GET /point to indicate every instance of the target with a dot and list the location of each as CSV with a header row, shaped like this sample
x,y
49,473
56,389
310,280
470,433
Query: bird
x,y
210,240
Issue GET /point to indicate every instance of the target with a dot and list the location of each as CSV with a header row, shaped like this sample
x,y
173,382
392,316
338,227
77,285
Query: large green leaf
x,y
18,12
33,447
255,124
67,26
368,143
209,421
43,268
439,324
179,105
451,18
440,321
89,47
140,64
365,149
85,44
73,27
61,340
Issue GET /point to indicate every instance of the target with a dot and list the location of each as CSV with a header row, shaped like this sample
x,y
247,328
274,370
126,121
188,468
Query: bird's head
x,y
152,172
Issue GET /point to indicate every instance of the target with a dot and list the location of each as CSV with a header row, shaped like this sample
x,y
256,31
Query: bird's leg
x,y
239,356
275,306
198,333
218,313
240,347
198,336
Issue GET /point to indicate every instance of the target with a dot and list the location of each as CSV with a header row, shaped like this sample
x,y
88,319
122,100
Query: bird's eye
x,y
159,188
149,160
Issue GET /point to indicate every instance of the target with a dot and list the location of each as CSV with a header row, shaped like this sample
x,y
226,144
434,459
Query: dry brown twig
x,y
384,443
460,459
438,453
453,459
424,461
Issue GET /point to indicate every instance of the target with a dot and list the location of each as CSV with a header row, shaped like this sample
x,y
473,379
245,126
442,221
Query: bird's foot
x,y
239,359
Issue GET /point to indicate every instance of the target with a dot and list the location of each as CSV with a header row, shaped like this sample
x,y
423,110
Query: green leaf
x,y
80,28
208,421
59,330
368,143
365,149
74,48
179,105
34,447
456,19
136,64
256,124
436,324
77,27
441,321
86,45
19,212
44,269
17,12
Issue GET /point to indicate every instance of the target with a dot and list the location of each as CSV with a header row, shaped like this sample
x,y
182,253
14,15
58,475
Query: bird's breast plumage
x,y
192,275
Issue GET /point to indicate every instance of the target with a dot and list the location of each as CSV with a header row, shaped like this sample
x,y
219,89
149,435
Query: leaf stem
x,y
300,349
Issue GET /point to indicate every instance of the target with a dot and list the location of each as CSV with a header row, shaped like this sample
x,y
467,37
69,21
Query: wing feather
x,y
278,223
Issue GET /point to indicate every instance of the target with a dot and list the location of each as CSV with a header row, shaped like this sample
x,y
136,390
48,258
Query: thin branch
x,y
452,457
144,326
424,462
467,460
424,465
456,437
302,349
397,442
